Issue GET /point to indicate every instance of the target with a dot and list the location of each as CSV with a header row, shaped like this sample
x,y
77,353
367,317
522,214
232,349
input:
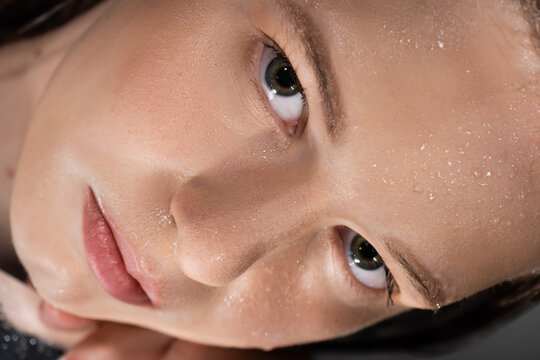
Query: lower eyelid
x,y
255,90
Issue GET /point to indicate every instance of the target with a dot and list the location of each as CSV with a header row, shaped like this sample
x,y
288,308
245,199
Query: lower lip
x,y
104,256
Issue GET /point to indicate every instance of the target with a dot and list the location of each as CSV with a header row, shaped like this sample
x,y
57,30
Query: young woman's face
x,y
233,188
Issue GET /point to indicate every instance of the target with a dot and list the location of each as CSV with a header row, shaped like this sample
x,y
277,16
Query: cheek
x,y
290,297
165,93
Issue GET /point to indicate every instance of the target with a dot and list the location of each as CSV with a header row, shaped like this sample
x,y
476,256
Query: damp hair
x,y
432,332
28,18
21,19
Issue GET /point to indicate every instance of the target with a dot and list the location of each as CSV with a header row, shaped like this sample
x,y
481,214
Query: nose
x,y
232,216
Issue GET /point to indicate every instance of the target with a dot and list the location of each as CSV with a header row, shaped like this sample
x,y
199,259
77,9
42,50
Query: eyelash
x,y
390,287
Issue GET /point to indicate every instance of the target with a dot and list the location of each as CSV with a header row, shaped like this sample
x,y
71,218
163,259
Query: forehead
x,y
440,103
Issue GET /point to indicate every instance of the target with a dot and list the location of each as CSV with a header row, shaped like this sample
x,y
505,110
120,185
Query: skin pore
x,y
420,134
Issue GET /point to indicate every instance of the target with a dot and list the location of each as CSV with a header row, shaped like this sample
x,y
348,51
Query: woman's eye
x,y
281,88
366,264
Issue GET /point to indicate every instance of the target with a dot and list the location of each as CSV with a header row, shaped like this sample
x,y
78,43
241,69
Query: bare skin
x,y
432,156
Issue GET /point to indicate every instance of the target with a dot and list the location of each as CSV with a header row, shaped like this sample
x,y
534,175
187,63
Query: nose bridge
x,y
230,217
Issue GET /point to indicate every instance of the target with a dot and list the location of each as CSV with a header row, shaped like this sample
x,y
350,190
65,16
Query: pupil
x,y
281,78
364,255
285,77
367,251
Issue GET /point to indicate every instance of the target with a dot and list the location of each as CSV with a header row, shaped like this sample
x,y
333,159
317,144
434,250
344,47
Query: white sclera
x,y
373,278
288,108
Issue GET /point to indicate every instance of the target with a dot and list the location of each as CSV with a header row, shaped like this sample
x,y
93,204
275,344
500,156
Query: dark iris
x,y
364,255
281,78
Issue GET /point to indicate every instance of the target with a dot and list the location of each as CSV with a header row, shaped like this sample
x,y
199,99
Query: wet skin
x,y
427,146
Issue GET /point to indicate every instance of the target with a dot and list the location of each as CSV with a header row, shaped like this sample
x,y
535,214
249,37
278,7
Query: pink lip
x,y
106,255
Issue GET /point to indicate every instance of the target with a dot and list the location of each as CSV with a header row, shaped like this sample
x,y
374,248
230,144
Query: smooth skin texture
x,y
431,151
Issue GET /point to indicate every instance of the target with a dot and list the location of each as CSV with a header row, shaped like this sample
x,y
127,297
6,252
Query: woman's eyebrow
x,y
426,285
301,25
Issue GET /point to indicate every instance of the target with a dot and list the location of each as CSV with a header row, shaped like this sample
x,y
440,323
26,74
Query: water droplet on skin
x,y
488,173
440,43
431,196
422,147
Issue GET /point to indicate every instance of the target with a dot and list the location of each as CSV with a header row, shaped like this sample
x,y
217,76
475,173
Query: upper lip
x,y
130,257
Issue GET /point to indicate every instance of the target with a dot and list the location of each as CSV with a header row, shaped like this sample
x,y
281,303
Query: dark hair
x,y
424,331
26,18
416,330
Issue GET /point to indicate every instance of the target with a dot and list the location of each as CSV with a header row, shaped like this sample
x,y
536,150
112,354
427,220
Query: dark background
x,y
517,340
